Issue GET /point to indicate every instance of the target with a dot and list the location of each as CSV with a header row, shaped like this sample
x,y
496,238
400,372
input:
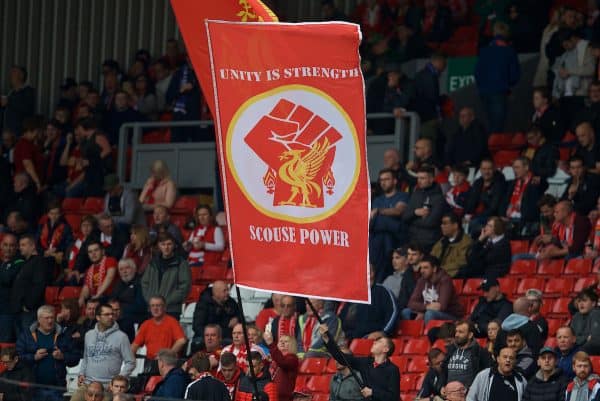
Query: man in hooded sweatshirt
x,y
549,383
519,319
503,383
464,357
107,353
585,386
525,362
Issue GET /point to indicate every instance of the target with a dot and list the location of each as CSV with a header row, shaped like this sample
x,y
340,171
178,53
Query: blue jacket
x,y
27,347
359,320
497,68
173,385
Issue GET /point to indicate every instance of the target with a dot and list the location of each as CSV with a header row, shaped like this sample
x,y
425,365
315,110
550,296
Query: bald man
x,y
217,307
501,384
532,331
572,233
587,147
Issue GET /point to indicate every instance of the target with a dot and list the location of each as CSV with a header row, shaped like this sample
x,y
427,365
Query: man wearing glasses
x,y
107,353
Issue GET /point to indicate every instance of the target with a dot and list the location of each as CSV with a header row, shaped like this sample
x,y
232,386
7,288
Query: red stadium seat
x,y
522,267
400,361
504,158
560,308
440,344
519,246
411,328
69,292
399,344
551,267
151,384
417,346
498,141
72,205
319,397
196,275
319,384
556,287
74,221
553,325
551,342
408,382
51,295
433,323
313,366
212,273
518,141
595,363
300,386
596,267
508,285
418,364
458,284
528,283
194,294
580,267
330,367
583,283
185,205
471,287
361,346
92,206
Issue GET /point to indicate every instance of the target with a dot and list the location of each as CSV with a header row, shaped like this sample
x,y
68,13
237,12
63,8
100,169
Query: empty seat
x,y
361,346
458,285
519,246
471,287
412,328
551,267
579,267
92,206
184,205
319,384
400,361
595,363
528,283
212,273
74,221
553,325
72,205
51,295
417,346
522,267
330,368
433,323
508,285
558,286
504,158
194,294
408,382
313,366
560,307
69,292
418,364
583,283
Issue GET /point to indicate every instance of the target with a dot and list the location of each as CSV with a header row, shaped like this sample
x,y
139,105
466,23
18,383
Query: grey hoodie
x,y
106,354
480,389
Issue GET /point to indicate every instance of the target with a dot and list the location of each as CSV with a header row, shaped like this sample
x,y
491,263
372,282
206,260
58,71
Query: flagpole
x,y
256,394
335,345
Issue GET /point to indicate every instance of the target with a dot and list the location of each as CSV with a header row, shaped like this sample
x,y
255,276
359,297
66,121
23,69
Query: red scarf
x,y
230,384
597,235
311,321
564,232
52,236
287,326
75,249
98,271
150,195
514,209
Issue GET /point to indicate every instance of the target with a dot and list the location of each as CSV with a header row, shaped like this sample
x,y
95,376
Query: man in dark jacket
x,y
485,196
547,116
217,307
205,387
24,199
264,382
184,96
48,352
496,72
519,319
490,255
433,381
10,265
15,370
492,305
549,383
128,291
426,100
466,144
381,377
542,154
29,286
20,102
402,281
423,215
581,189
464,357
174,381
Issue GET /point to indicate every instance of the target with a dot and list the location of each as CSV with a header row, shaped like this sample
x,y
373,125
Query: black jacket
x,y
27,203
407,286
552,390
426,101
544,161
530,212
587,193
21,104
466,146
8,273
29,287
425,230
359,320
384,379
485,312
490,259
13,392
490,198
481,359
432,384
207,389
131,298
209,311
552,124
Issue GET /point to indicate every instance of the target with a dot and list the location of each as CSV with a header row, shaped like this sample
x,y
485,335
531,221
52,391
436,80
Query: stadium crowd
x,y
485,278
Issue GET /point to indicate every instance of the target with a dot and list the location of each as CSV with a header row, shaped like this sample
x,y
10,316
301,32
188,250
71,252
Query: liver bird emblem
x,y
299,170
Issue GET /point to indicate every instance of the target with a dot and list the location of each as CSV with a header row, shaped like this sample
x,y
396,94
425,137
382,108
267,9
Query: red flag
x,y
290,120
190,15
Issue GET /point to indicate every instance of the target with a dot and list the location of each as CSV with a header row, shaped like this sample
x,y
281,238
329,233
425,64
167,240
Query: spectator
x,y
28,157
426,101
128,291
45,349
574,70
490,255
492,333
269,312
464,357
229,373
453,247
343,386
10,265
434,296
392,160
125,325
255,336
213,337
437,22
162,224
95,158
581,188
205,387
492,305
402,281
175,380
455,391
535,315
398,91
238,347
121,204
100,276
374,320
547,116
591,110
67,318
585,385
118,385
549,383
520,319
262,379
206,242
485,196
107,353
168,274
138,249
184,94
521,198
111,87
587,148
503,383
161,331
142,97
88,320
24,201
569,233
386,229
466,144
54,235
423,155
16,225
525,363
163,76
54,173
425,208
414,255
542,155
29,285
71,159
285,363
112,238
546,206
310,343
20,101
565,349
458,194
215,307
496,72
17,371
585,321
542,73
433,381
287,321
381,378
159,188
330,12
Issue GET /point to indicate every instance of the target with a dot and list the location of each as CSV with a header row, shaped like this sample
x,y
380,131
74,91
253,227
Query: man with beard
x,y
585,386
464,357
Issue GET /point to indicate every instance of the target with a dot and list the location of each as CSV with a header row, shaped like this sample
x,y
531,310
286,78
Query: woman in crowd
x,y
54,235
492,332
206,242
79,261
143,98
159,189
284,366
67,319
139,248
